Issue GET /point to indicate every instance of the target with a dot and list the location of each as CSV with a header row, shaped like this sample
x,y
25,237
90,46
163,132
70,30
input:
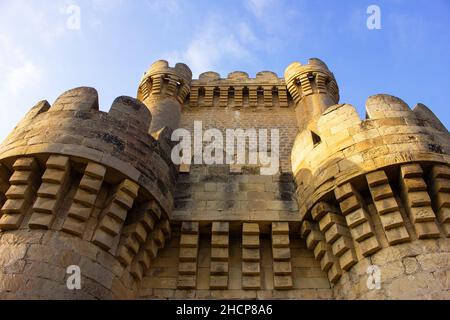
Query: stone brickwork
x,y
371,192
87,188
352,199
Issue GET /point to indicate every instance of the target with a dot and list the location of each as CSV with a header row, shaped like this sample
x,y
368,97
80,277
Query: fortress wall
x,y
83,187
372,192
351,197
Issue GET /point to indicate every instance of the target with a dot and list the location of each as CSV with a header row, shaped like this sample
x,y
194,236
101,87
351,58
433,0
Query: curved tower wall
x,y
87,188
373,194
356,200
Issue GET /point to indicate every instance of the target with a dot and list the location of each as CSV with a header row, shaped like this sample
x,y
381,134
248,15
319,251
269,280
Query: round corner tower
x,y
81,187
163,90
374,194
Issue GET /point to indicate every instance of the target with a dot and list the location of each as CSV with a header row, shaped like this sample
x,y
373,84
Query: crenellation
x,y
50,194
79,186
20,194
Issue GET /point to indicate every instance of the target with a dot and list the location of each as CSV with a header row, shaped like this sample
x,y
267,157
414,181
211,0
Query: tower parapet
x,y
163,90
239,91
81,187
313,89
88,188
372,189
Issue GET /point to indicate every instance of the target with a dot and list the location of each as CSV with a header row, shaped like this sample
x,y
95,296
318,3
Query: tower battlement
x,y
239,91
344,146
314,77
163,90
99,190
161,80
367,185
92,181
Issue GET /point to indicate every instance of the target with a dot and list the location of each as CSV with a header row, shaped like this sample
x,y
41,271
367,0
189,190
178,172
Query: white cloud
x,y
216,41
105,5
19,78
259,7
25,28
246,34
172,7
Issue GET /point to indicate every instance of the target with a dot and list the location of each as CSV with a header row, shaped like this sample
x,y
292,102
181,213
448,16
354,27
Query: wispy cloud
x,y
24,27
172,7
105,5
20,77
216,41
18,70
259,7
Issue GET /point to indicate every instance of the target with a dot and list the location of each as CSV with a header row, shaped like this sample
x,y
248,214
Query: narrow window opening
x,y
315,138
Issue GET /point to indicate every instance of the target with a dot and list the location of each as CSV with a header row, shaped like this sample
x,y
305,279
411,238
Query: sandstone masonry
x,y
98,190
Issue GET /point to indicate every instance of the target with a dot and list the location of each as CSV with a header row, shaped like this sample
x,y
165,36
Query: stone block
x,y
54,176
221,254
251,268
90,184
49,190
377,178
282,282
84,197
397,235
341,245
187,268
392,220
356,218
282,268
362,231
320,249
219,240
251,282
415,184
95,171
422,214
344,191
281,254
219,267
313,238
190,228
412,170
280,240
280,228
250,229
348,260
58,162
327,261
250,254
386,205
186,282
320,209
336,231
329,219
369,246
380,192
250,241
350,204
189,240
218,282
418,199
220,228
426,230
188,254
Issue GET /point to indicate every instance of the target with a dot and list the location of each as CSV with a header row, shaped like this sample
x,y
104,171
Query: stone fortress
x,y
99,190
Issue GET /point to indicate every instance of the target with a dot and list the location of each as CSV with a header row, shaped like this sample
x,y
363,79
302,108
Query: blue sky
x,y
119,39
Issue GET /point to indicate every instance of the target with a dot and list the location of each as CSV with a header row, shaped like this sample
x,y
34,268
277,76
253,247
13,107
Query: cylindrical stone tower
x,y
163,90
374,194
313,89
81,187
